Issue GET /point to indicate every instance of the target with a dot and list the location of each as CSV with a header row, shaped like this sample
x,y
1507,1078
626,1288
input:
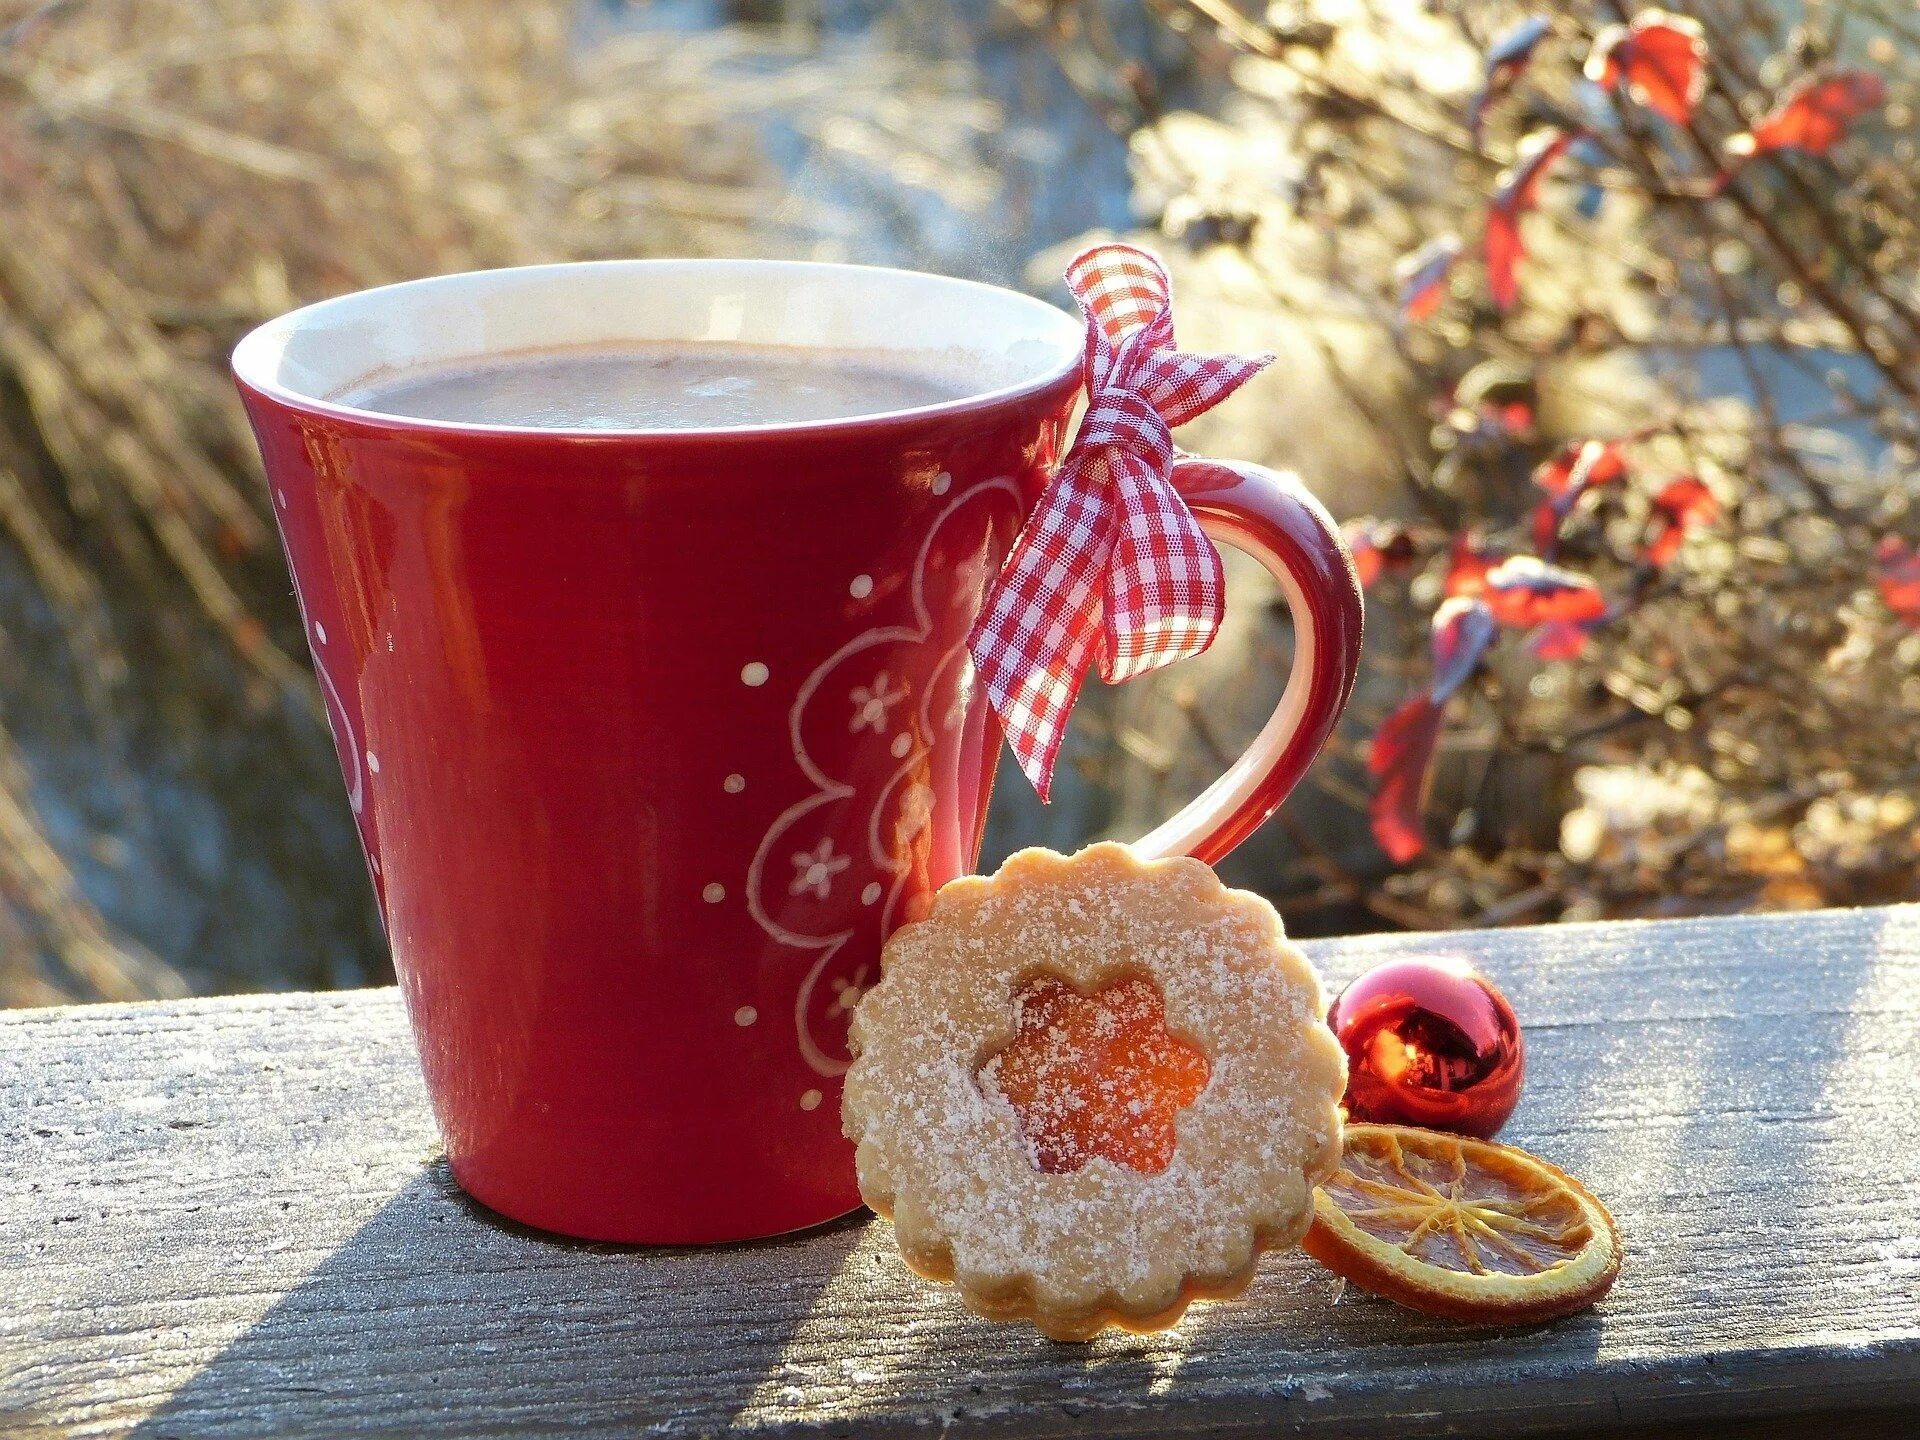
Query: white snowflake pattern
x,y
813,870
872,702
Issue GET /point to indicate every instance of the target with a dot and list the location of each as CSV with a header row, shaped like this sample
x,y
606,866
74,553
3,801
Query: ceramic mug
x,y
653,736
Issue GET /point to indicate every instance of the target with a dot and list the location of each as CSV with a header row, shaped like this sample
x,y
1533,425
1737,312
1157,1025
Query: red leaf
x,y
1462,631
1513,419
1815,116
1507,60
1504,253
1665,544
1422,277
1661,59
1517,192
1524,592
1402,749
1377,547
1547,516
1467,566
1367,563
1401,755
1559,640
1898,572
1500,396
1681,505
1580,466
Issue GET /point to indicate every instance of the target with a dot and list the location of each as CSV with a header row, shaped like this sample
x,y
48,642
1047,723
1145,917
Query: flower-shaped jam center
x,y
1095,1075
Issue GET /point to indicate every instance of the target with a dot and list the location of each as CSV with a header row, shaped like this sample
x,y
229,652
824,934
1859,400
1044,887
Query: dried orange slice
x,y
1463,1228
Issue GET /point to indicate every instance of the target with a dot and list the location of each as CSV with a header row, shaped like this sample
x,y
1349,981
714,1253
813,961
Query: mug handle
x,y
1271,516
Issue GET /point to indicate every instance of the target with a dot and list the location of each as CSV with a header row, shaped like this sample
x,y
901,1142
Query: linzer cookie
x,y
1091,1090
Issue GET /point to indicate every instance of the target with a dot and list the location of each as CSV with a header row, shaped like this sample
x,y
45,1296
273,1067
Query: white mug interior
x,y
1013,343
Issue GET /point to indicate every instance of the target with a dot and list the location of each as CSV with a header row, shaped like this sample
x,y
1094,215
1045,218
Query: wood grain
x,y
227,1218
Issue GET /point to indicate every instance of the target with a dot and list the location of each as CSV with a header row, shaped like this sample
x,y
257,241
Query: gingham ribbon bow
x,y
1111,565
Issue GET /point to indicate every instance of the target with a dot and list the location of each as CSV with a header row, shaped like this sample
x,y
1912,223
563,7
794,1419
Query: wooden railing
x,y
226,1217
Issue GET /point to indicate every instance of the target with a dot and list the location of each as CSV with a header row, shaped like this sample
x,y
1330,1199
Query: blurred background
x,y
1600,328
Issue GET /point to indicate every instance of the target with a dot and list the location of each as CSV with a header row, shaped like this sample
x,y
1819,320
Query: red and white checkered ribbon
x,y
1111,565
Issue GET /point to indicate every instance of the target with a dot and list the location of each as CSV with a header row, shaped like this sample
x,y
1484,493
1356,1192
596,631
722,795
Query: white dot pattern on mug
x,y
942,483
320,631
745,1016
753,673
714,893
861,587
903,615
734,784
810,1100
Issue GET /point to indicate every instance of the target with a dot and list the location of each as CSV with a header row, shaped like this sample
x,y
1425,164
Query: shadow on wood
x,y
498,1329
437,1316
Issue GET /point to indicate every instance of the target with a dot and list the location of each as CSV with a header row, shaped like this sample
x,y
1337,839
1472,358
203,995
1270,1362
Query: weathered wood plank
x,y
226,1218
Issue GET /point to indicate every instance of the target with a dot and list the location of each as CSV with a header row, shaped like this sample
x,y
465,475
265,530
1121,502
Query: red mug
x,y
653,735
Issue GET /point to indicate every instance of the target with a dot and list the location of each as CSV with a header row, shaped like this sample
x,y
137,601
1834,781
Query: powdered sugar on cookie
x,y
1097,1241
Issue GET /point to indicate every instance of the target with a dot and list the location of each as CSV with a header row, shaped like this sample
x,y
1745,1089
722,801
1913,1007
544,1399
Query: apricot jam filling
x,y
1095,1075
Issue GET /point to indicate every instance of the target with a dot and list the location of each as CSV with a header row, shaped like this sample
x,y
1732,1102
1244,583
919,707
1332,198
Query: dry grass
x,y
175,171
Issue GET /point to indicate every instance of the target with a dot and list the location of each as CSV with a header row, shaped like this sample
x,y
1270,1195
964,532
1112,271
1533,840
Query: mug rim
x,y
256,358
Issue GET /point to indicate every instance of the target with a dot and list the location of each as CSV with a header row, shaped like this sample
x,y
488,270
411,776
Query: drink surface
x,y
665,385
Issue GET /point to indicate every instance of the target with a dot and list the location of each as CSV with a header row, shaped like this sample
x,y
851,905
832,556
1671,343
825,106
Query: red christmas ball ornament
x,y
1430,1041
